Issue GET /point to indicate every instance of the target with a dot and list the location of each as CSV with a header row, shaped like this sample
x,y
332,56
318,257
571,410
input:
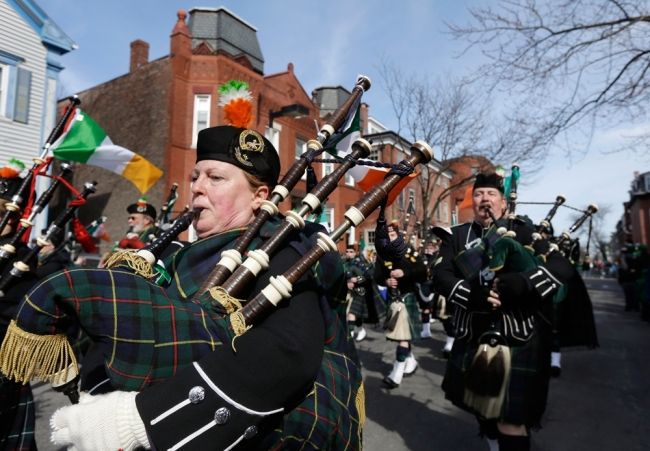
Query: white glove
x,y
104,422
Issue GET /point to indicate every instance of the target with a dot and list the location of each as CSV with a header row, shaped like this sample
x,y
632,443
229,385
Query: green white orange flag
x,y
340,144
84,141
367,177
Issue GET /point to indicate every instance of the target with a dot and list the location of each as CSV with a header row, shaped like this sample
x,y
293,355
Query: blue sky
x,y
329,43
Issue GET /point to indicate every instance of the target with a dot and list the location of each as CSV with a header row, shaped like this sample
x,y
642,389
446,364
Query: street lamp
x,y
295,110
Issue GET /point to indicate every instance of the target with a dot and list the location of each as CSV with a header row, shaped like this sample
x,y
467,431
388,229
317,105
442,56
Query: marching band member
x,y
141,224
399,277
229,399
462,276
358,274
427,298
17,416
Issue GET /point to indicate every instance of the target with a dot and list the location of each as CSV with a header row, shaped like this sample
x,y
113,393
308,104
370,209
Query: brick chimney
x,y
139,54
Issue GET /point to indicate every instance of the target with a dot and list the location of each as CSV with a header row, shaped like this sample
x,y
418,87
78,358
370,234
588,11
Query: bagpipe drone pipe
x,y
56,228
571,312
21,198
327,137
147,332
8,250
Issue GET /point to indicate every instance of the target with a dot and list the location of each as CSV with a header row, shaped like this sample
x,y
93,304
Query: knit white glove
x,y
103,422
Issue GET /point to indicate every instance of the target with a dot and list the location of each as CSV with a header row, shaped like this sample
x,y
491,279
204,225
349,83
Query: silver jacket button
x,y
250,432
222,415
197,394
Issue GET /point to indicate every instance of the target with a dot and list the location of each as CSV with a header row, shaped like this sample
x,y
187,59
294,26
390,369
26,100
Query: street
x,y
600,402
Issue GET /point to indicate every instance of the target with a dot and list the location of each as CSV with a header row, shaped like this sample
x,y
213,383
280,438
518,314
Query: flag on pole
x,y
366,177
340,143
84,141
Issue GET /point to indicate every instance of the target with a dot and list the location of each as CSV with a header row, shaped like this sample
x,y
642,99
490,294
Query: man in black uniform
x,y
399,277
481,301
358,277
427,297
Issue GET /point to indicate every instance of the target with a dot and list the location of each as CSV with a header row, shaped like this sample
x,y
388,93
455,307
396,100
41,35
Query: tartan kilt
x,y
358,306
527,391
332,415
17,417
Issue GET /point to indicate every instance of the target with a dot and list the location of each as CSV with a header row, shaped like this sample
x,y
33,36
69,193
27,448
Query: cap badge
x,y
249,141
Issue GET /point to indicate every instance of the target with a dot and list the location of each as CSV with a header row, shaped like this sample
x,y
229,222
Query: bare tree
x,y
580,64
457,121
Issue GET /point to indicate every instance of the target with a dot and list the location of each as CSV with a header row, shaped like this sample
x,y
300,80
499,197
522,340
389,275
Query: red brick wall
x,y
133,110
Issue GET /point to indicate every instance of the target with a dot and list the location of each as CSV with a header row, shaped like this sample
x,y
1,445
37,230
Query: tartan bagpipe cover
x,y
147,331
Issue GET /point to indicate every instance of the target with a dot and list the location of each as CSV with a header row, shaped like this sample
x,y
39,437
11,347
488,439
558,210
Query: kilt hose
x,y
527,390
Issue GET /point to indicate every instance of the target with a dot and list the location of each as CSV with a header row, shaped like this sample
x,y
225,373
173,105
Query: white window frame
x,y
330,225
273,135
202,103
328,168
4,88
304,149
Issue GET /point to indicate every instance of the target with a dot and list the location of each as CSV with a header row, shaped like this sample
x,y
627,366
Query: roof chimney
x,y
139,54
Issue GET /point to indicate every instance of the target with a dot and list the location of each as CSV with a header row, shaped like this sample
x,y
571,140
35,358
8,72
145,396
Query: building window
x,y
201,115
4,80
374,153
23,91
370,237
328,168
326,218
273,135
349,180
300,148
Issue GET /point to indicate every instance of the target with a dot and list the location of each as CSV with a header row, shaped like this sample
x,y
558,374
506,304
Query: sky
x,y
330,43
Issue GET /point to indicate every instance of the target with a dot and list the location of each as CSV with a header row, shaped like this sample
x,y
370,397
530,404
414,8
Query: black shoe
x,y
389,383
556,371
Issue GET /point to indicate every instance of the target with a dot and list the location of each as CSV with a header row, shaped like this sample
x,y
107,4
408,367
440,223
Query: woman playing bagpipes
x,y
499,364
255,392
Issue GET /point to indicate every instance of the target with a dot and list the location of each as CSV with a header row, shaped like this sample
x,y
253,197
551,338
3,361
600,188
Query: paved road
x,y
600,403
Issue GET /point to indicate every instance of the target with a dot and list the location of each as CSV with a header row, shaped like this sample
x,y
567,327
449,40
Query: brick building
x,y
634,226
158,108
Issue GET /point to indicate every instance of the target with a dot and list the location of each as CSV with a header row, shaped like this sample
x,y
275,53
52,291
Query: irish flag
x,y
84,141
340,143
367,177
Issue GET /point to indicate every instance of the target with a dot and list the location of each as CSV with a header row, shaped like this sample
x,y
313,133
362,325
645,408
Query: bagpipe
x,y
164,220
315,147
19,199
128,316
8,250
56,228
